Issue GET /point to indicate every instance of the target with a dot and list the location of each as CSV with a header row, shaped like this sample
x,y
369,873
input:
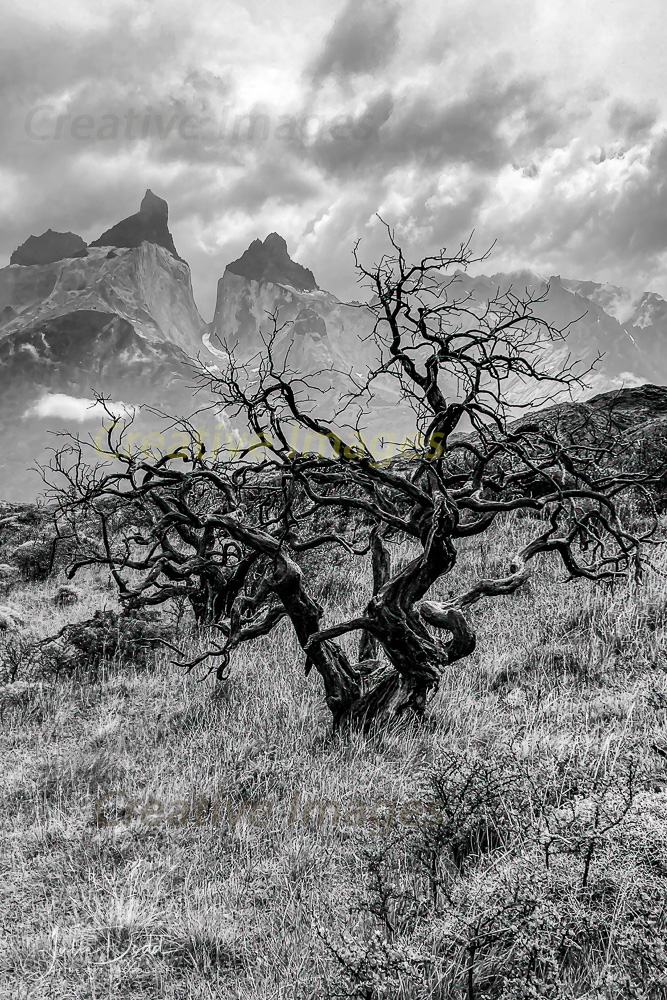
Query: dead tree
x,y
230,530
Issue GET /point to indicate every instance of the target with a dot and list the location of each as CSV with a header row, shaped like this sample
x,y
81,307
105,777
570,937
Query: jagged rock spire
x,y
47,248
149,223
270,261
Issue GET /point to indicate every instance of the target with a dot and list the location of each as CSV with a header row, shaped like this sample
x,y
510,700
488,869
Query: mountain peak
x,y
153,207
270,261
148,224
274,242
47,248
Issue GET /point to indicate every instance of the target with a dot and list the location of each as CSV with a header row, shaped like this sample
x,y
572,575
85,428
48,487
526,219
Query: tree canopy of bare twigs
x,y
229,530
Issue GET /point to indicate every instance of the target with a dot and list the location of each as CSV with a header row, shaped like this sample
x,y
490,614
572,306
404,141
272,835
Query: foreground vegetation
x,y
512,845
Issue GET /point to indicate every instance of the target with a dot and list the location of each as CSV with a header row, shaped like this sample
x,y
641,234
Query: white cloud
x,y
80,410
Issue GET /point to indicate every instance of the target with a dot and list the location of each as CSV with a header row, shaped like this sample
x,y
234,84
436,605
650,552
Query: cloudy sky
x,y
541,124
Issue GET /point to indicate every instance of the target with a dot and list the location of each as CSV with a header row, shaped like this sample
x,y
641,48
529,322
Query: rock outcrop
x,y
148,225
146,285
270,261
265,280
47,248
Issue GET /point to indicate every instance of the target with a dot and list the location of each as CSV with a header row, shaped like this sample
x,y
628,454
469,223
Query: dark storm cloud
x,y
264,180
72,105
494,123
363,37
440,120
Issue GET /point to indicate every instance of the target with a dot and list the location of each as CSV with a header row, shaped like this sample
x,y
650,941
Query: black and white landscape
x,y
333,501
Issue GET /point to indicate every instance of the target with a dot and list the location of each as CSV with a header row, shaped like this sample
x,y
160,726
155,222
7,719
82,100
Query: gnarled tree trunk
x,y
396,619
341,681
342,684
381,570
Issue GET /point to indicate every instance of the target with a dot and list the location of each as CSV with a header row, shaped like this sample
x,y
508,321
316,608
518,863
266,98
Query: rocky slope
x,y
148,225
86,349
145,285
132,271
633,421
270,262
629,333
317,334
320,330
117,317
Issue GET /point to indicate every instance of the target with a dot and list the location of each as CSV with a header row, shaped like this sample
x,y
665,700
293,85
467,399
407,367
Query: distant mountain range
x,y
119,316
630,331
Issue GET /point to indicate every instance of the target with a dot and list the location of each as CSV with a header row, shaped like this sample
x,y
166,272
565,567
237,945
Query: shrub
x,y
17,656
105,638
34,559
17,695
9,575
543,879
65,596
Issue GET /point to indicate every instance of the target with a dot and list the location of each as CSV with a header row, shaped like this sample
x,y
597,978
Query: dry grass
x,y
568,685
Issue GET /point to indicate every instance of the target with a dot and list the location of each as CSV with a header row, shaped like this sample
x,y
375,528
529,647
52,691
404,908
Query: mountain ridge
x,y
48,248
148,225
269,261
120,315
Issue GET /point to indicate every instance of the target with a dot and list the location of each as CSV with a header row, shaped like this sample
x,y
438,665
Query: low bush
x,y
9,575
66,596
10,619
34,559
541,879
107,637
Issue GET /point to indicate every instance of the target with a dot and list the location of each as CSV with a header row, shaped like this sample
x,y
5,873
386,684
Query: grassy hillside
x,y
513,845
